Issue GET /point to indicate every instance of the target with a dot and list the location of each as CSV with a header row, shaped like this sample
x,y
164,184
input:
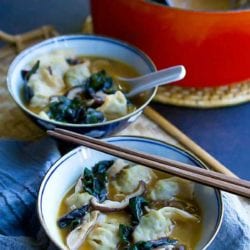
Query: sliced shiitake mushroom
x,y
79,234
75,92
113,206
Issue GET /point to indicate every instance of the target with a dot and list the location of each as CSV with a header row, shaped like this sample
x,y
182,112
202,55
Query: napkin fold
x,y
22,166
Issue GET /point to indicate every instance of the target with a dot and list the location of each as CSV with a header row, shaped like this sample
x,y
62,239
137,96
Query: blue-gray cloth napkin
x,y
22,166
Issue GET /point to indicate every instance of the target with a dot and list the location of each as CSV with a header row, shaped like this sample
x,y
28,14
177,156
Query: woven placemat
x,y
13,122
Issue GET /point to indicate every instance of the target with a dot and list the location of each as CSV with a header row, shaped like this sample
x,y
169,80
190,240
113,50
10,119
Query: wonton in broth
x,y
77,89
121,205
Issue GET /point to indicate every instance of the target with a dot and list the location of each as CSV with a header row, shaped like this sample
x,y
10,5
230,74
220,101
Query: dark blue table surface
x,y
223,132
19,16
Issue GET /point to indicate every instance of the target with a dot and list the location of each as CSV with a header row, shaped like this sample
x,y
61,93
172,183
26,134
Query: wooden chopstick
x,y
213,179
184,140
169,162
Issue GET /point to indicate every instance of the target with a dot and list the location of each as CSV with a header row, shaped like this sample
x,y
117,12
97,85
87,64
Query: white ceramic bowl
x,y
65,172
82,45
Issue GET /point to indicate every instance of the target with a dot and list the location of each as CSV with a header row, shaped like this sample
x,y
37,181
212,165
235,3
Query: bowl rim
x,y
89,37
220,12
185,152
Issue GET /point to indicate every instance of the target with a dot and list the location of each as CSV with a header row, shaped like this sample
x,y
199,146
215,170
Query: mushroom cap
x,y
76,237
114,206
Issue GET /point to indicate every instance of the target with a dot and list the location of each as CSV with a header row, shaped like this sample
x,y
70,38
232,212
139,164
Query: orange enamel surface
x,y
213,46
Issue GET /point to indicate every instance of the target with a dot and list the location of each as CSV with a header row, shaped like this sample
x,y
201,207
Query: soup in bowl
x,y
91,200
73,82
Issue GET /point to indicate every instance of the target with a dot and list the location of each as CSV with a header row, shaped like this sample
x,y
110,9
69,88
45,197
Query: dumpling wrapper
x,y
77,236
76,75
166,189
104,236
77,200
160,223
114,106
48,80
128,179
56,60
116,167
43,87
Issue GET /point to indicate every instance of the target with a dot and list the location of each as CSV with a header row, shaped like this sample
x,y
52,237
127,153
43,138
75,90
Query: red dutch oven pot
x,y
213,46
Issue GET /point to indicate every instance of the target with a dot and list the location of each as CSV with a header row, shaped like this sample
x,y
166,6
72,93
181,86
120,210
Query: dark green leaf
x,y
100,81
73,111
94,180
66,110
125,234
73,218
94,116
136,206
102,166
28,93
149,245
26,74
74,61
108,86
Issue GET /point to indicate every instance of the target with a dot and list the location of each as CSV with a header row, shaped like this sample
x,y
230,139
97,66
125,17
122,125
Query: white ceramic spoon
x,y
161,77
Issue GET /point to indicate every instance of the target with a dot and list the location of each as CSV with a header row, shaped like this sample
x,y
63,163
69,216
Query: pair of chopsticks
x,y
203,176
186,141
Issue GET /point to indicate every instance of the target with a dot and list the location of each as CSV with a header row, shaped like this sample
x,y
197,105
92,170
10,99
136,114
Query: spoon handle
x,y
157,78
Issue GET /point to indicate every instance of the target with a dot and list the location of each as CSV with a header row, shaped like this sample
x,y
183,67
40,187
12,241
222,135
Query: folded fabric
x,y
23,164
235,229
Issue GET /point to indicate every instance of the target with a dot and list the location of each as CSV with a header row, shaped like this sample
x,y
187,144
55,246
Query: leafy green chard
x,y
73,218
79,105
74,61
149,245
95,180
66,110
126,242
100,81
73,111
136,206
26,74
93,116
125,235
76,110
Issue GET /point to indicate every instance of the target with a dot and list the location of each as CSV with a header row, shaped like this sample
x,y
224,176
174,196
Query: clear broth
x,y
188,233
113,68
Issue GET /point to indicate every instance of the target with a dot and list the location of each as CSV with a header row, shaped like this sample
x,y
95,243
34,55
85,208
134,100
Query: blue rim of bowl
x,y
65,38
180,150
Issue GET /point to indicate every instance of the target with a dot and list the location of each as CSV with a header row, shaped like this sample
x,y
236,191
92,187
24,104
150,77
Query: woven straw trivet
x,y
232,94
